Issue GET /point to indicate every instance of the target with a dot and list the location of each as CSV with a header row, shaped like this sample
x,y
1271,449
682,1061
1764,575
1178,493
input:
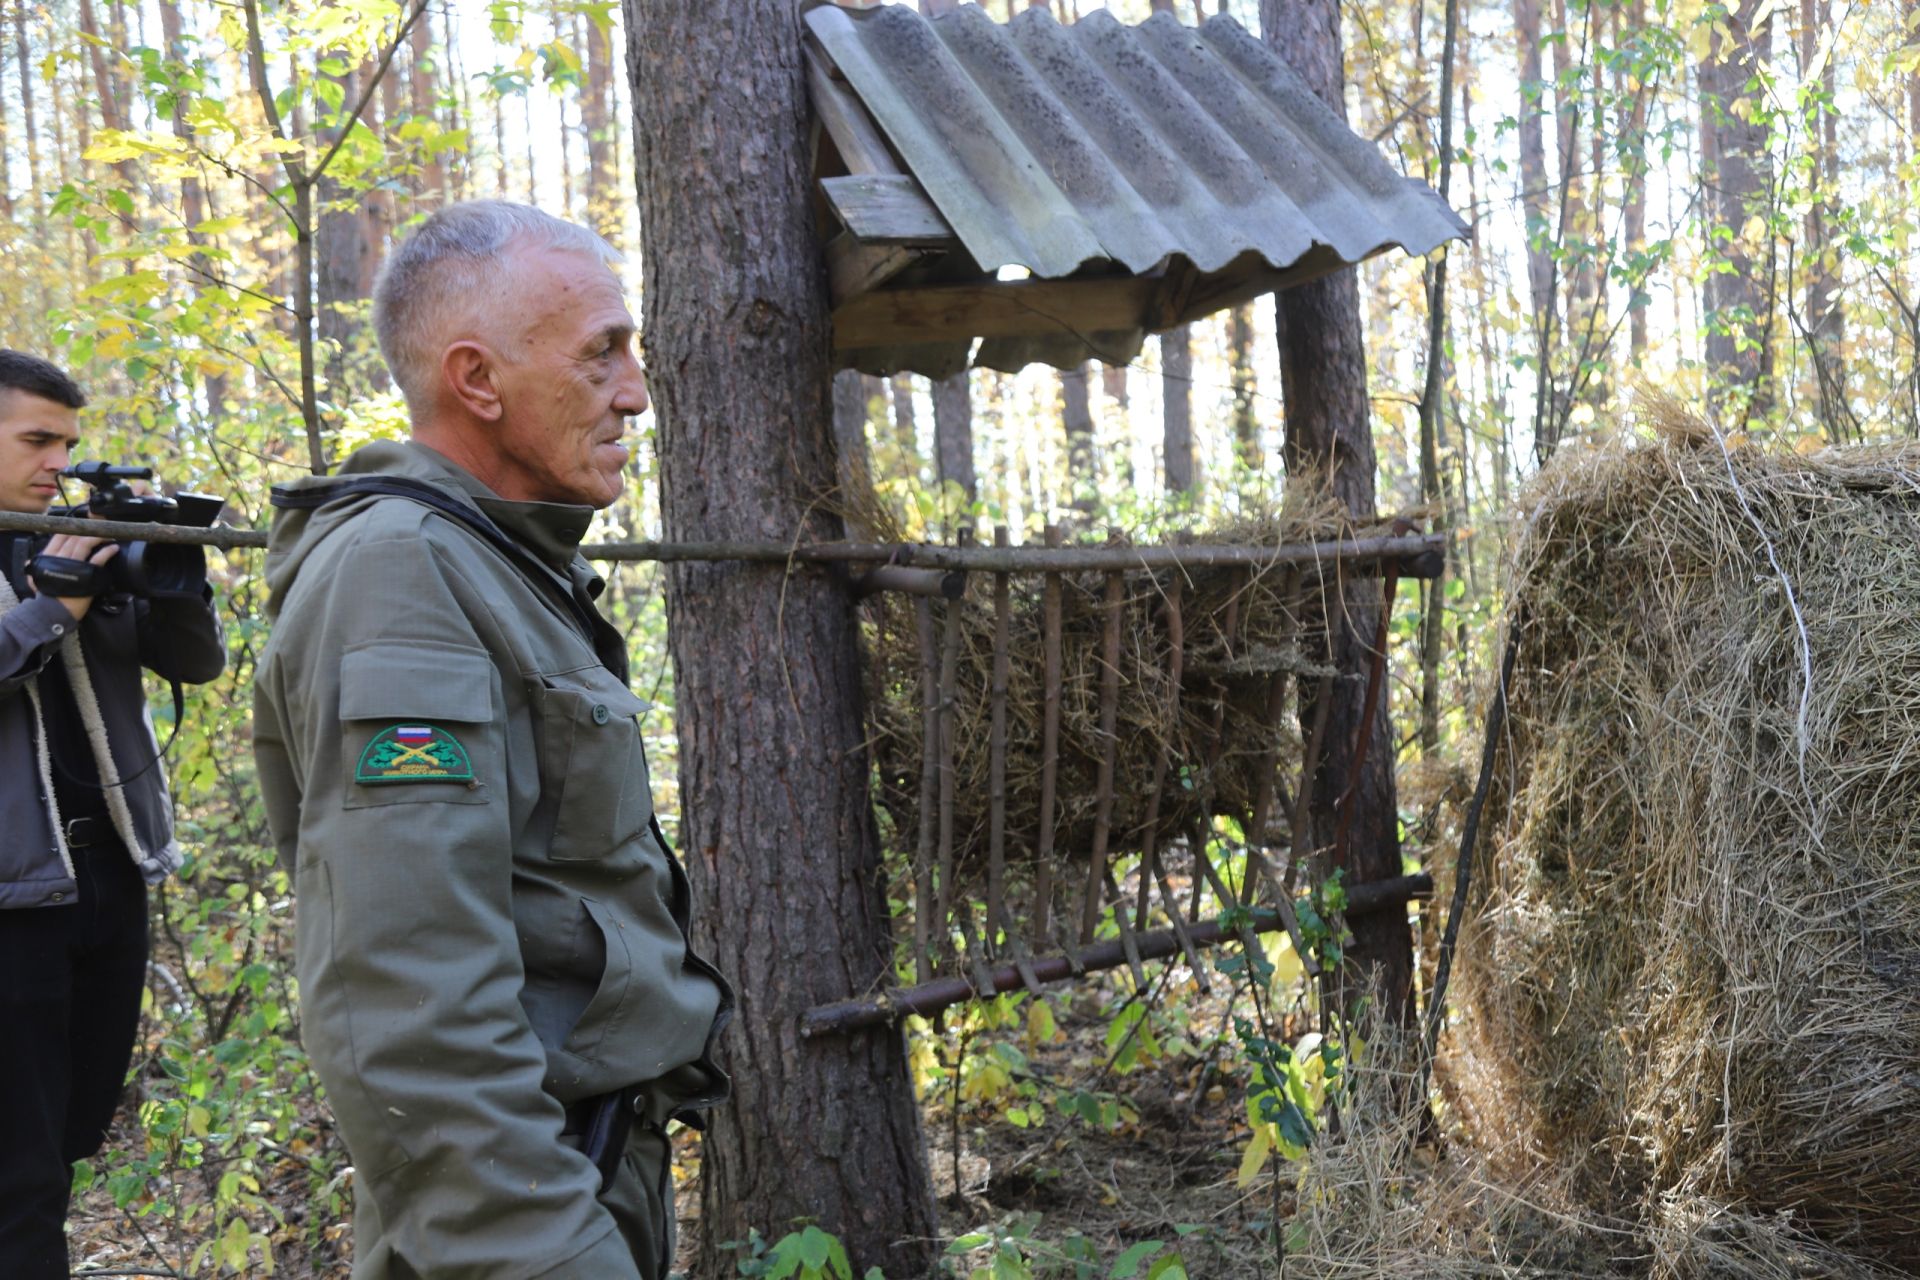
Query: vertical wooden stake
x,y
1049,742
997,755
1109,749
923,901
949,684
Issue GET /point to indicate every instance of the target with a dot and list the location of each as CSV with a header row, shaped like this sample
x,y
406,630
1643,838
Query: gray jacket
x,y
175,639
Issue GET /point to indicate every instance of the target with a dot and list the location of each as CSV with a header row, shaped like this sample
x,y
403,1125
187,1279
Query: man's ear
x,y
470,370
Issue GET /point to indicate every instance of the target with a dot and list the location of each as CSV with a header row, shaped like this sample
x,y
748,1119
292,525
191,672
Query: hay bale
x,y
1215,746
1694,967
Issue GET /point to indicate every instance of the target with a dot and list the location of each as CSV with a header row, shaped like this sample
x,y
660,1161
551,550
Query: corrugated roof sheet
x,y
1055,147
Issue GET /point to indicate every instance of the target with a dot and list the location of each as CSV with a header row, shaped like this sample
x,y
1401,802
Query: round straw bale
x,y
1694,966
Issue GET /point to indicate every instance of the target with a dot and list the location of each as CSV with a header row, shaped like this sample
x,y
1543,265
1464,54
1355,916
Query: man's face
x,y
570,379
36,440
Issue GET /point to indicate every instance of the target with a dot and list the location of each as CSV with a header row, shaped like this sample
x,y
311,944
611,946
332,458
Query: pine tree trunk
x,y
1323,376
953,433
1635,216
1176,408
777,829
1076,420
596,115
1533,167
23,63
1736,173
1246,425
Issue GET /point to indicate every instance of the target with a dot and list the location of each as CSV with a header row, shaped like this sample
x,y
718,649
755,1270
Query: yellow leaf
x,y
1812,442
1040,1025
1255,1159
198,1120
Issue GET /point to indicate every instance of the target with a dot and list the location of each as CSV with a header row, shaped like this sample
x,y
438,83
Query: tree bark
x,y
953,433
1076,420
1826,316
906,427
25,66
421,96
1323,375
1533,166
777,828
596,115
1176,410
1736,173
1246,424
1635,215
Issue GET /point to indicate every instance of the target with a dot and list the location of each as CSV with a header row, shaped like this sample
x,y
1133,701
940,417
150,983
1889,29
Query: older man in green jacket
x,y
498,992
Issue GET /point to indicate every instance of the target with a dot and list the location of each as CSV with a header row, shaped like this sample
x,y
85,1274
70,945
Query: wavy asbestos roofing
x,y
1051,147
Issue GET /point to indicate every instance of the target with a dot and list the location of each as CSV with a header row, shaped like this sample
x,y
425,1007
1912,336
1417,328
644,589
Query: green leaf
x,y
1128,1263
969,1242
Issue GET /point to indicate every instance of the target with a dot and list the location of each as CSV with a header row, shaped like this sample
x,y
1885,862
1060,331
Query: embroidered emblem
x,y
413,753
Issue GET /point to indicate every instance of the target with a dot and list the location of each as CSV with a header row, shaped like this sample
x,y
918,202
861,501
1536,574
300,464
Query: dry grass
x,y
1692,976
1242,628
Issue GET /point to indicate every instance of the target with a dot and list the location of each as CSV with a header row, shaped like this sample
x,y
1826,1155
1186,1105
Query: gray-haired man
x,y
492,946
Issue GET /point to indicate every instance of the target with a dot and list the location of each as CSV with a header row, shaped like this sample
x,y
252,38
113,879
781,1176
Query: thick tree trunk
x,y
1636,186
1176,408
421,94
1533,164
25,67
906,426
1826,316
777,828
1076,420
953,433
1246,424
1736,173
596,115
1323,376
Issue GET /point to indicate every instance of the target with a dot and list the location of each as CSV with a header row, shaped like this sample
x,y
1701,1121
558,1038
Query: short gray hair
x,y
452,256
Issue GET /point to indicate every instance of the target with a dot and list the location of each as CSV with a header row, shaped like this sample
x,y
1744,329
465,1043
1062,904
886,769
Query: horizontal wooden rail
x,y
1417,555
929,998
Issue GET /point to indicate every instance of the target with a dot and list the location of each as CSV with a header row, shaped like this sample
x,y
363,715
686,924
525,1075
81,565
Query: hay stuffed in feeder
x,y
1242,629
1694,966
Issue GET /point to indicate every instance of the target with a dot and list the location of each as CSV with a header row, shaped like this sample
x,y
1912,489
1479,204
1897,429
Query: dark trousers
x,y
70,984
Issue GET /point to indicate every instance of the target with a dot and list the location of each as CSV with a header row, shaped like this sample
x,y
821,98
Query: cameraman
x,y
87,826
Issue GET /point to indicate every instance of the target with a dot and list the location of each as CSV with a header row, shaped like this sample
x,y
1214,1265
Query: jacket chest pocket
x,y
593,761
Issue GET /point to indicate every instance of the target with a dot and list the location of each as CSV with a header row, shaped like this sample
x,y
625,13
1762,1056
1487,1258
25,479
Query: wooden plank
x,y
1011,309
854,268
923,904
997,748
1049,736
887,208
854,134
1109,752
949,685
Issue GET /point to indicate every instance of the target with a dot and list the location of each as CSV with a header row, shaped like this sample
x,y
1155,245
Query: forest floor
x,y
1058,1191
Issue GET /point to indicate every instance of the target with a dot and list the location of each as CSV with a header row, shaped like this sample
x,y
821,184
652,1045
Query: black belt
x,y
90,832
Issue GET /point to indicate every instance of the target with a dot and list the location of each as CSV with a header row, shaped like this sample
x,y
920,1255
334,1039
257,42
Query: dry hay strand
x,y
1693,970
1216,738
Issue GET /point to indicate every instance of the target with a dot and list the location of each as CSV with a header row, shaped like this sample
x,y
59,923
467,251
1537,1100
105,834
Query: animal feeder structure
x,y
1056,193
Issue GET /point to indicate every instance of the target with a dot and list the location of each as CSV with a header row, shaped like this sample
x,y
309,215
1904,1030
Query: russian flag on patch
x,y
413,734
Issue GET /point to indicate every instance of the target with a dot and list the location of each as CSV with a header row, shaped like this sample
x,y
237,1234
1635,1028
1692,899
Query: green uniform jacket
x,y
490,929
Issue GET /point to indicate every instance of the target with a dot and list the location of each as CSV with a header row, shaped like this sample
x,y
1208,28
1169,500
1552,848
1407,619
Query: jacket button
x,y
57,897
600,713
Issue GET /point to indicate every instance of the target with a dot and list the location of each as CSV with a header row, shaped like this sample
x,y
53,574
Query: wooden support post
x,y
1049,740
997,754
924,909
1109,749
1302,845
949,686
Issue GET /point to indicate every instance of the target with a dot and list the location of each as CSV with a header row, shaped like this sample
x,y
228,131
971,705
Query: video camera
x,y
142,568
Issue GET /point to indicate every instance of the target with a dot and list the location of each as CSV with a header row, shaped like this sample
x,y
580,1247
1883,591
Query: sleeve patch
x,y
413,752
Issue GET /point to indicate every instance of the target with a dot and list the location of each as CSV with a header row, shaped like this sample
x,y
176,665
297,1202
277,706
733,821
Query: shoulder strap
x,y
312,498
